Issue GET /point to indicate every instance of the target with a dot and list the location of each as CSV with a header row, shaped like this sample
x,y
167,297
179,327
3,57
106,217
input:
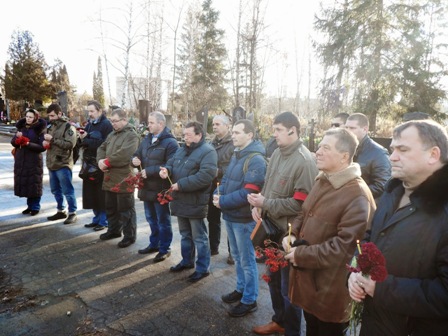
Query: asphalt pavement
x,y
58,279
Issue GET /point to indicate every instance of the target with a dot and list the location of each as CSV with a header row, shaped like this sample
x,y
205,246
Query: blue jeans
x,y
159,218
33,203
243,253
194,233
99,217
286,314
61,185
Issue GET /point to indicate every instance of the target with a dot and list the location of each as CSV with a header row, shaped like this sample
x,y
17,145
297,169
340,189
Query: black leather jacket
x,y
375,165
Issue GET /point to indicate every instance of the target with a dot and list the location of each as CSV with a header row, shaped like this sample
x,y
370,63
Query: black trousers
x,y
214,224
316,327
120,212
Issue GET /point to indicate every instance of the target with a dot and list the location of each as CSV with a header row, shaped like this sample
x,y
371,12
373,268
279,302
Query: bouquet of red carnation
x,y
22,141
275,258
369,261
165,196
131,181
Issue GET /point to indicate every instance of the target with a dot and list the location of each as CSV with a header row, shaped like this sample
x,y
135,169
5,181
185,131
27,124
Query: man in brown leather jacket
x,y
335,214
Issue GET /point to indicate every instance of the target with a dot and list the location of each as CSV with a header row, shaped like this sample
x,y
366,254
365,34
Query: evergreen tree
x,y
210,52
25,76
99,93
378,53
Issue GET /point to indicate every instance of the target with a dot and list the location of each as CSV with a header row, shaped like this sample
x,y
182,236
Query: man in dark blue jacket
x,y
410,227
192,170
244,175
154,151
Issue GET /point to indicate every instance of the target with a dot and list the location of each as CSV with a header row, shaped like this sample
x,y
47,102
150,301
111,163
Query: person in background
x,y
60,141
371,156
339,120
244,175
289,178
28,163
335,215
192,170
114,159
223,144
410,228
154,151
92,136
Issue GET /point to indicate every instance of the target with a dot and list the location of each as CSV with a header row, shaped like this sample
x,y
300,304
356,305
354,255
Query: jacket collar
x,y
342,177
288,150
431,194
227,138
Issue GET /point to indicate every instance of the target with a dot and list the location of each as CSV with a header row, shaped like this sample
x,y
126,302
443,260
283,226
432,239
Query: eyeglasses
x,y
115,121
335,125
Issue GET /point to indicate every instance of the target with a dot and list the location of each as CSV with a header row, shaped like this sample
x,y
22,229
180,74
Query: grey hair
x,y
160,117
225,120
346,141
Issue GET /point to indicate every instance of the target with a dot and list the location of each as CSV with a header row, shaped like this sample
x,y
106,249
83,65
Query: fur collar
x,y
38,126
432,194
342,177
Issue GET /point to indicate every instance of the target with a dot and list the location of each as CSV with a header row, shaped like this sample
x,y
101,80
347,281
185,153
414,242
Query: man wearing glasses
x,y
114,157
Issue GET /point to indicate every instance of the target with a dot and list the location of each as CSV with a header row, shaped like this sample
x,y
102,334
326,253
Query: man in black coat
x,y
92,136
192,170
410,227
154,151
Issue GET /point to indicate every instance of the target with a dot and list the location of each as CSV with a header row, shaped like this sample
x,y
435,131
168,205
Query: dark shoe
x,y
26,211
57,215
109,235
214,252
161,256
232,297
268,329
148,250
91,225
180,268
126,242
34,212
99,228
242,309
230,260
196,276
72,218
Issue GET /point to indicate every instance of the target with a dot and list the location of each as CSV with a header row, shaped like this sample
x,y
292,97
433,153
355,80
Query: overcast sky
x,y
64,30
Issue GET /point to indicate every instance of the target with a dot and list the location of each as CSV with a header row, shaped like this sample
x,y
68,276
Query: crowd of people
x,y
351,190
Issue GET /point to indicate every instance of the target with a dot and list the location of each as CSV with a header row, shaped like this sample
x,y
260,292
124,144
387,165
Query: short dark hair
x,y
346,140
360,118
431,134
288,119
54,107
248,126
197,127
120,112
343,116
95,103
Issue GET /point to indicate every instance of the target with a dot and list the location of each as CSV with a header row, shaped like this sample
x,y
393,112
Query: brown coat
x,y
336,213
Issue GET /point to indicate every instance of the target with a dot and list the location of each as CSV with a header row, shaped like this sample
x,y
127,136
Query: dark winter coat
x,y
28,164
153,156
93,196
375,165
224,149
236,184
413,300
117,149
193,168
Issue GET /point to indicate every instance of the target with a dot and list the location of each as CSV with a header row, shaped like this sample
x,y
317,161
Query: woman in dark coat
x,y
93,136
28,165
